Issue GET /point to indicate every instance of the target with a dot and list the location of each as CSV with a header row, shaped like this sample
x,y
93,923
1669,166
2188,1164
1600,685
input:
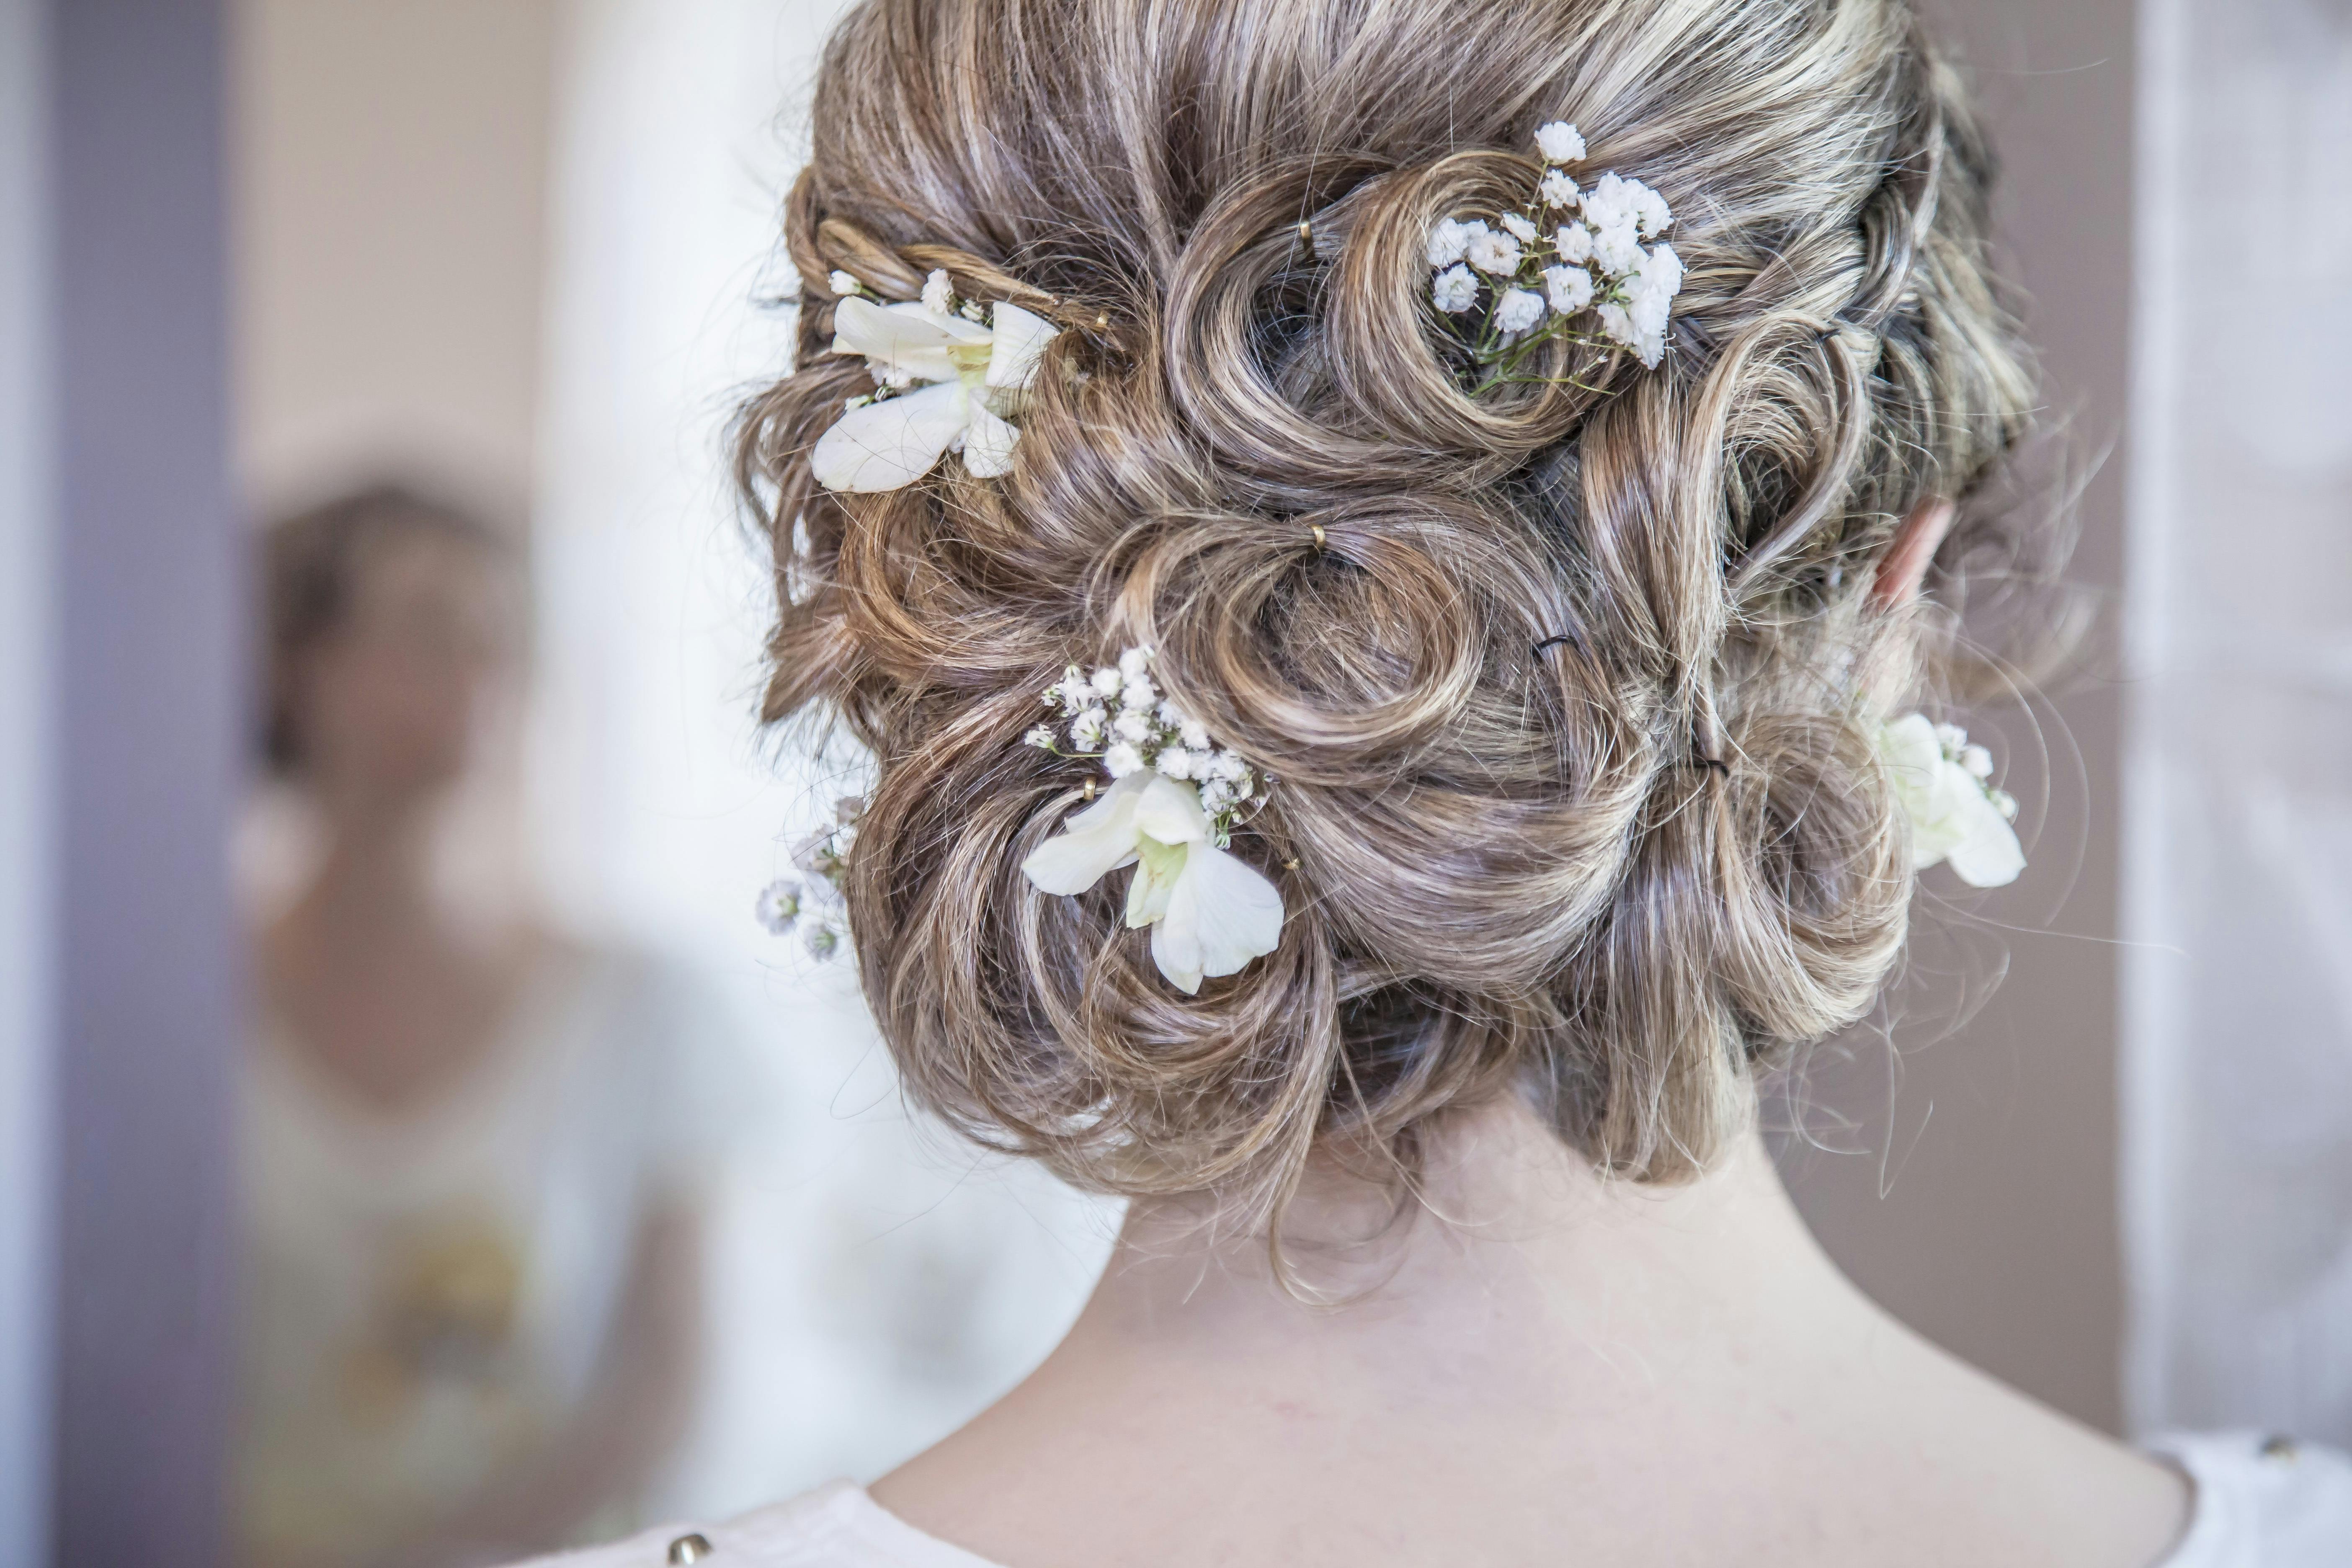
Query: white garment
x,y
2259,1504
426,1295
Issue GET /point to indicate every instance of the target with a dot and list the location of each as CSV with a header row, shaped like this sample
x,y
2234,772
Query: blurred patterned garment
x,y
428,1294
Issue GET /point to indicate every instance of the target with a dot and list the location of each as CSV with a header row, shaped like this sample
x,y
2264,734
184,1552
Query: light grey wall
x,y
147,589
1982,1205
26,885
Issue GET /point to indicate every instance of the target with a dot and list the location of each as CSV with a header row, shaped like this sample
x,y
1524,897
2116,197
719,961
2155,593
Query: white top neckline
x,y
2258,1503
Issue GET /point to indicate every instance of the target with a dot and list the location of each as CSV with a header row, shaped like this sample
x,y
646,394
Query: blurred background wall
x,y
26,867
391,217
2238,977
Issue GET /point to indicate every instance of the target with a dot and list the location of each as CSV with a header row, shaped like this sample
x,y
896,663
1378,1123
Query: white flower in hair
x,y
814,898
1559,144
1569,288
1455,290
1943,786
1589,279
972,379
1449,240
1492,252
1518,309
1170,811
1211,912
1640,322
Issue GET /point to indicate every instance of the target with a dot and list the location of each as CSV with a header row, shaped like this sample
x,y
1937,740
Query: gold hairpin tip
x,y
1317,530
1307,230
1087,792
1102,320
1291,864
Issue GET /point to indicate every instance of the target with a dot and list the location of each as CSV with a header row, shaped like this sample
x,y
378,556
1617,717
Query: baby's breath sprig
x,y
1116,715
1572,253
812,900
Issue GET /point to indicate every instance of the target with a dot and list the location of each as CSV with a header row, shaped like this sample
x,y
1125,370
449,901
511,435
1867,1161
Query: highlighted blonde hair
x,y
1617,874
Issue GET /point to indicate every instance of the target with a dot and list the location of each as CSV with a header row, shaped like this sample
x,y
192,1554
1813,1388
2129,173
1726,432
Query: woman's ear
x,y
1905,565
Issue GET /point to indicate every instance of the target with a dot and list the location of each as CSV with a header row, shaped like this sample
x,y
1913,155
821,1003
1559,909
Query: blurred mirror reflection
x,y
571,1197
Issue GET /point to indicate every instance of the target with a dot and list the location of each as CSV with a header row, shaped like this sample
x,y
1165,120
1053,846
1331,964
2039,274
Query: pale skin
x,y
391,1000
1544,1367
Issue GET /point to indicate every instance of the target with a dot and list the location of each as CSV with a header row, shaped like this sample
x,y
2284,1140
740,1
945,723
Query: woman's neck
x,y
1543,1356
1520,1247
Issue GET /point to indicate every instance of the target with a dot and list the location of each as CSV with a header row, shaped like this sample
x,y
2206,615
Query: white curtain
x,y
877,1283
2237,1094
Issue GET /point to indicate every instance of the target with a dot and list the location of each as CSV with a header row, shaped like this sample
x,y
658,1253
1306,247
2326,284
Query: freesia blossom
x,y
1209,911
972,377
1955,816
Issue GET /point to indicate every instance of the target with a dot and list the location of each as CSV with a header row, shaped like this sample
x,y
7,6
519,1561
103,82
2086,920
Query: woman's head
x,y
1568,691
390,617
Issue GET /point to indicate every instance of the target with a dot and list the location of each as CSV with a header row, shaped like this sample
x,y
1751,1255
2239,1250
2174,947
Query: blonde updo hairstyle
x,y
1619,873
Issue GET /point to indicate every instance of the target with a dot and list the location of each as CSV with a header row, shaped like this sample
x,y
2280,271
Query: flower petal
x,y
1176,949
890,443
1220,914
1170,812
1986,853
1020,339
988,443
1092,844
1157,868
906,337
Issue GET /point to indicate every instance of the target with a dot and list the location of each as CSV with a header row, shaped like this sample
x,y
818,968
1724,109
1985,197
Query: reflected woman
x,y
473,1151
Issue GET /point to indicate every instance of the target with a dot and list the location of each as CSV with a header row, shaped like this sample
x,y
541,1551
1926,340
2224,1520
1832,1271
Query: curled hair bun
x,y
1576,791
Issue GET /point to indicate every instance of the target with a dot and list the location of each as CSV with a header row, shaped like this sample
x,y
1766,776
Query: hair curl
x,y
1618,872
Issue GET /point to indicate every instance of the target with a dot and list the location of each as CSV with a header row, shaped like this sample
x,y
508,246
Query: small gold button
x,y
689,1549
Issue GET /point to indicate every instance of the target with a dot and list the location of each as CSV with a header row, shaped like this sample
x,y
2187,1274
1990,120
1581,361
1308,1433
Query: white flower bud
x,y
1108,681
1977,761
1455,289
844,285
939,294
1494,253
1559,143
779,905
1175,761
1518,309
1521,230
1133,725
1557,190
1041,737
1133,662
1450,238
1570,288
1121,760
